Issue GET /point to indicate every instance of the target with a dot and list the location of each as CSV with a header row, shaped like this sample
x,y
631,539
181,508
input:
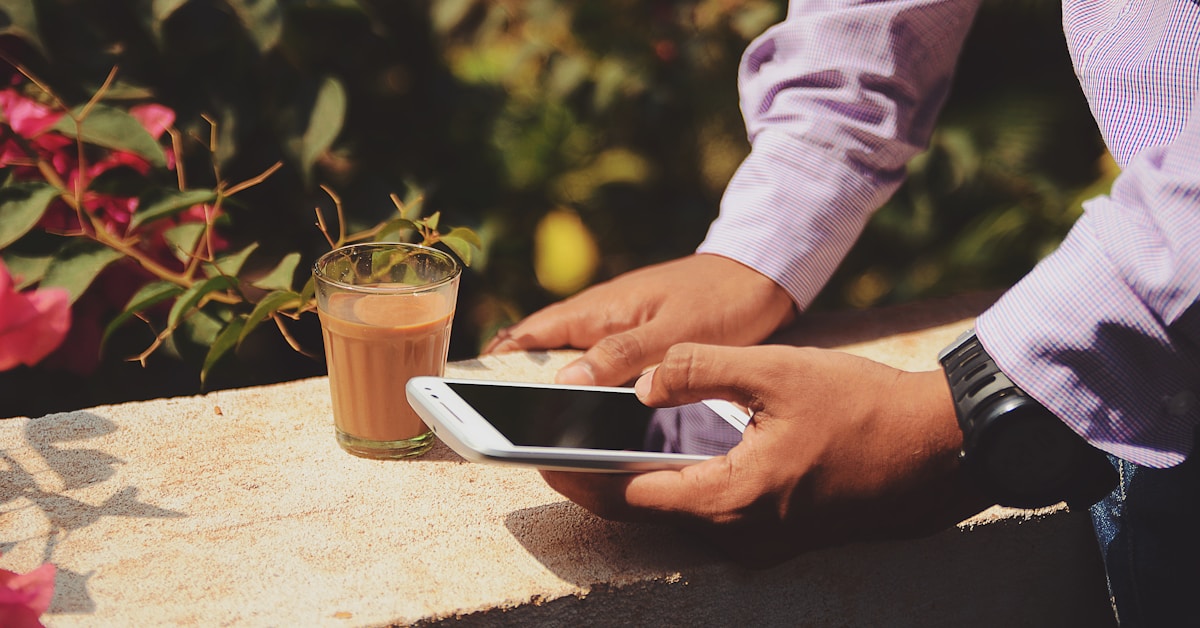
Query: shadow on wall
x,y
1014,572
41,489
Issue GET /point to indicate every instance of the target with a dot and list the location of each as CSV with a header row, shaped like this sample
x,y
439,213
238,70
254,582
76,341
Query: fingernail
x,y
576,374
642,387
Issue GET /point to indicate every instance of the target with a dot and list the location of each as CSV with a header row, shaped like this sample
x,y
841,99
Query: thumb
x,y
614,360
695,372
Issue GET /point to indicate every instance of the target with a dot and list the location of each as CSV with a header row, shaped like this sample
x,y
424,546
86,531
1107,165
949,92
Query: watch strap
x,y
1059,466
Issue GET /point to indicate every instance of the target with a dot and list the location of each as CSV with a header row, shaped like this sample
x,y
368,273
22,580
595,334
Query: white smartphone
x,y
573,428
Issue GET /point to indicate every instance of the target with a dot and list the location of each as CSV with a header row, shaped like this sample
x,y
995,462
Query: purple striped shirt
x,y
1106,330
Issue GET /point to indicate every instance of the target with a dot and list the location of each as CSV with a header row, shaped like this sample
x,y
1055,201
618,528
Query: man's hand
x,y
840,449
628,323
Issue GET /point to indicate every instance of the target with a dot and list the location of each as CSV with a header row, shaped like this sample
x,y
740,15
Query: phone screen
x,y
591,419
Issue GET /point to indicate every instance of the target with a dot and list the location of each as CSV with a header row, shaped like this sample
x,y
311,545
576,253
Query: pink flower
x,y
30,120
156,118
27,117
32,324
24,597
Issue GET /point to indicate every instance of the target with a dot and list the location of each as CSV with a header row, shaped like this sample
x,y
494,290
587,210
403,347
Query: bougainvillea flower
x,y
24,597
29,120
27,117
32,323
155,118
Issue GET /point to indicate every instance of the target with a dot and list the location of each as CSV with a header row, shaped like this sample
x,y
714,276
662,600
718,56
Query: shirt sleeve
x,y
1106,330
836,98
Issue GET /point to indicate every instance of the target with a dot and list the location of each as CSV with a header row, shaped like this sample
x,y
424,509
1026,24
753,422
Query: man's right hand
x,y
628,323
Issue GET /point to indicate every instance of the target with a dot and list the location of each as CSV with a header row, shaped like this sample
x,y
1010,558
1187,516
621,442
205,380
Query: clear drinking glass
x,y
385,310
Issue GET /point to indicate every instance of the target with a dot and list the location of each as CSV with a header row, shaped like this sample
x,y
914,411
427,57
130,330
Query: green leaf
x,y
413,204
76,265
113,128
19,18
464,233
460,247
193,295
161,204
183,238
226,340
26,269
263,20
433,220
393,230
21,207
148,296
232,264
280,278
464,242
199,330
308,291
324,123
269,304
227,135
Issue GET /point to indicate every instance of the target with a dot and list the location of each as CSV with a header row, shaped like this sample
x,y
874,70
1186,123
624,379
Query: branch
x,y
253,181
91,103
337,204
287,336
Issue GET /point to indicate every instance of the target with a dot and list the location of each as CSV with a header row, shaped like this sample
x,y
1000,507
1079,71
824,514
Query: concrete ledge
x,y
238,508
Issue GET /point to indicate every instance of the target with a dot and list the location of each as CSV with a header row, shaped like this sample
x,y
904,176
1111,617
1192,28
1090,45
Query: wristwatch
x,y
1016,450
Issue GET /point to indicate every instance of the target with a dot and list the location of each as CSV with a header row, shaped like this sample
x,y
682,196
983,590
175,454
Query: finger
x,y
692,494
501,338
693,372
617,359
555,326
699,492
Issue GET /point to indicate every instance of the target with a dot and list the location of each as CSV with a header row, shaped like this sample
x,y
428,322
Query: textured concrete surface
x,y
238,508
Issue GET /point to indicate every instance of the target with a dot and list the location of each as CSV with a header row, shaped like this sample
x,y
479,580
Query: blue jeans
x,y
1149,534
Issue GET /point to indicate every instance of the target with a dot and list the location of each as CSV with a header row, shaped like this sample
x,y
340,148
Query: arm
x,y
836,99
1106,331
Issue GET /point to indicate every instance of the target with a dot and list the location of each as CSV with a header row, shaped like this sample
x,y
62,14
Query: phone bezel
x,y
474,438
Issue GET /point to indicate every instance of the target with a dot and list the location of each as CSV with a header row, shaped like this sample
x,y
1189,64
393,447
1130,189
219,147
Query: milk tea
x,y
373,344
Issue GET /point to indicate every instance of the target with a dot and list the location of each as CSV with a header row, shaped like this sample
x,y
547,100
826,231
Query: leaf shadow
x,y
52,438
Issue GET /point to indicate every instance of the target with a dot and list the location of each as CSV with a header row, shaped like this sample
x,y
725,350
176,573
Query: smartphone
x,y
573,428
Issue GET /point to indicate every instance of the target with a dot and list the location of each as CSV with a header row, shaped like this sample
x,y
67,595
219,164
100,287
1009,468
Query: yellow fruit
x,y
565,255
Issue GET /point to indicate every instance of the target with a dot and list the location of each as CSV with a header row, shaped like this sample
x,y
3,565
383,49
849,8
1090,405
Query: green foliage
x,y
76,266
21,207
111,128
168,202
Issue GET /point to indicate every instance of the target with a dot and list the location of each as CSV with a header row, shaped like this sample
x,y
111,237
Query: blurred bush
x,y
580,138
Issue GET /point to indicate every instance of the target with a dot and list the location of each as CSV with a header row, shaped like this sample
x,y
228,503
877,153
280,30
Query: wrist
x,y
946,487
772,302
933,406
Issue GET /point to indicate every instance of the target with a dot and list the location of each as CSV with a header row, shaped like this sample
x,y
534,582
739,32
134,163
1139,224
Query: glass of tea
x,y
385,310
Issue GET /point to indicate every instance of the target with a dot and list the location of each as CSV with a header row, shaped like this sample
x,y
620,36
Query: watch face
x,y
1028,454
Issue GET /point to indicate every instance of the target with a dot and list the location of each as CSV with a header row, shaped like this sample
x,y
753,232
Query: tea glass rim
x,y
320,275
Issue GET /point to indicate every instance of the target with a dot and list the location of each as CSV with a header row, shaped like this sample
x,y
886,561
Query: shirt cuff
x,y
791,212
1075,337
